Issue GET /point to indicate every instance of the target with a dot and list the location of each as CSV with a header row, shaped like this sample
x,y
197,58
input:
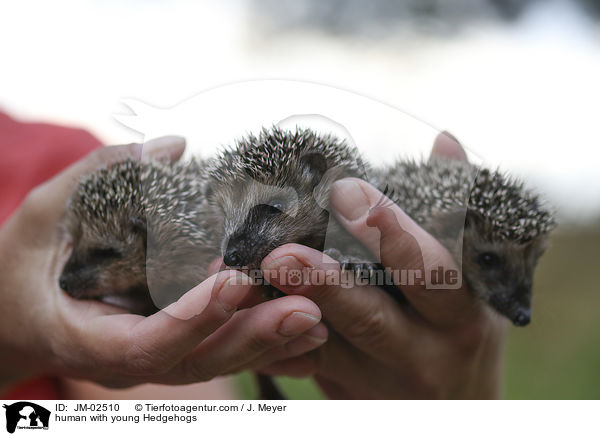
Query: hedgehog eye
x,y
274,209
488,260
105,253
278,204
138,225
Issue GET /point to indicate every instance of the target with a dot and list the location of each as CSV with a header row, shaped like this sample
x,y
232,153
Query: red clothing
x,y
30,154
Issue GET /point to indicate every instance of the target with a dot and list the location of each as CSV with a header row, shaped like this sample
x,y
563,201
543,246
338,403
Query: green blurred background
x,y
558,355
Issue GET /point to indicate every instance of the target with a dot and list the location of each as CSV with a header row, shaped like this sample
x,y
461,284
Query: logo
x,y
26,415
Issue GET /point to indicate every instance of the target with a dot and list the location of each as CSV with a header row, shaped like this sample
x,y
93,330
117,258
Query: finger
x,y
254,297
246,337
307,341
365,316
447,146
215,265
340,363
299,367
166,147
333,390
404,246
153,345
45,204
171,147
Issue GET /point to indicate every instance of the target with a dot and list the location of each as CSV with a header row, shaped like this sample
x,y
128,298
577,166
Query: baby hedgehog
x,y
139,230
504,226
273,189
143,234
270,190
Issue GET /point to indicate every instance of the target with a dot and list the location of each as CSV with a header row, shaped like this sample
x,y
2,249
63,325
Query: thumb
x,y
447,146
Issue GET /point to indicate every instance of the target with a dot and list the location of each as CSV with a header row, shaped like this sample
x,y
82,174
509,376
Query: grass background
x,y
558,355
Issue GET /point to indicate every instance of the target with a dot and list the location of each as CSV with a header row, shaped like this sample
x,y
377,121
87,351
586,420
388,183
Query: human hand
x,y
442,344
43,330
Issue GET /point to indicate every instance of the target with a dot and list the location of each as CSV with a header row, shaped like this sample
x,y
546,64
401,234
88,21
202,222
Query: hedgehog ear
x,y
315,165
447,226
472,219
208,190
138,225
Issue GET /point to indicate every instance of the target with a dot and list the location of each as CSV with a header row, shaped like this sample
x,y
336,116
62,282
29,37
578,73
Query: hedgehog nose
x,y
63,282
232,257
522,318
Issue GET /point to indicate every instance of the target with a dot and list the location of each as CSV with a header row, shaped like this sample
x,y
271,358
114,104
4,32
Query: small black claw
x,y
344,266
360,267
371,269
361,270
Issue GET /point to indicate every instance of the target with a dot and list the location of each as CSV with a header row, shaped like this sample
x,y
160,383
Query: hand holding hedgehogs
x,y
154,225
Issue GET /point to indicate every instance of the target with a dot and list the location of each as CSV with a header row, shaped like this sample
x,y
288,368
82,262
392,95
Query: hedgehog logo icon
x,y
26,415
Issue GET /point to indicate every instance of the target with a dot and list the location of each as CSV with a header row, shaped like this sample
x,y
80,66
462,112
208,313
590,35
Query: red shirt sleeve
x,y
30,154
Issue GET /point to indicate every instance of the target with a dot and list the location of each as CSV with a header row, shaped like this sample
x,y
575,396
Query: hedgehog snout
x,y
514,304
233,257
240,251
522,317
64,283
76,283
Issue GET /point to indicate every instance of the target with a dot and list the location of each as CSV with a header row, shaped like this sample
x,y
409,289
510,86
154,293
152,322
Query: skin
x,y
442,344
43,330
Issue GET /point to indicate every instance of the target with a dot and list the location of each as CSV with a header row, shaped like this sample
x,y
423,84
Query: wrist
x,y
21,356
12,372
488,383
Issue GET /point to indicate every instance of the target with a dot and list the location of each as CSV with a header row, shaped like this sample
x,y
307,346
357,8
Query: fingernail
x,y
318,333
304,343
349,200
231,293
297,323
136,150
163,146
450,135
191,303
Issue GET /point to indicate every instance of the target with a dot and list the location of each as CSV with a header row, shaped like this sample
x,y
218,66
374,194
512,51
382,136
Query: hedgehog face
x,y
107,258
501,272
259,217
266,189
